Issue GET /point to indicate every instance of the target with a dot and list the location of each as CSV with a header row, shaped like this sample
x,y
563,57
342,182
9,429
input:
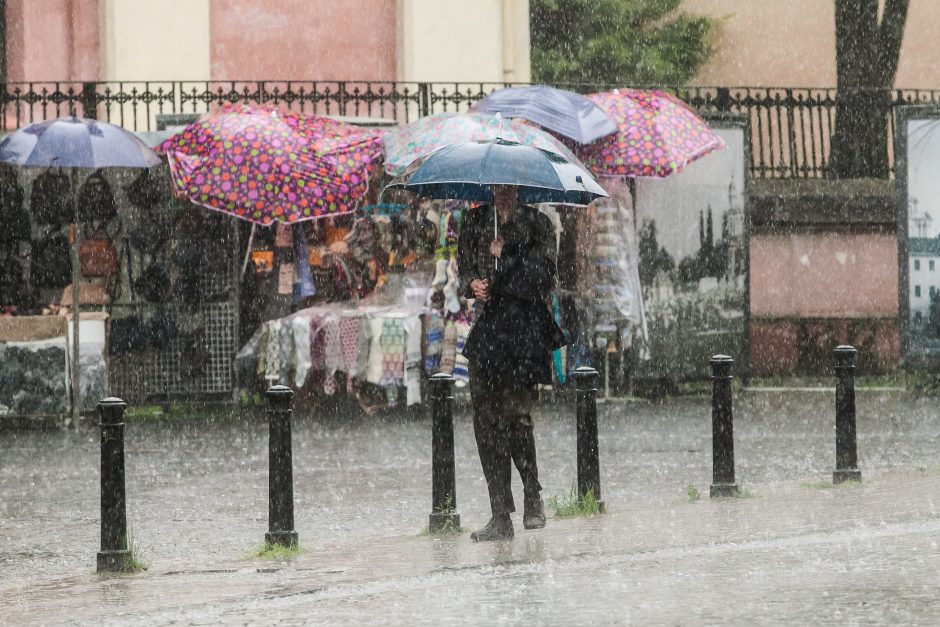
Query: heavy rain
x,y
444,312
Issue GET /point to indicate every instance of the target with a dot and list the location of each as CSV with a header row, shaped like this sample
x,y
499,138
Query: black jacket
x,y
514,336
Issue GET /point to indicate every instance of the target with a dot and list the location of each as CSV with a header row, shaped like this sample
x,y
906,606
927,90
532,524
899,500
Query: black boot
x,y
534,515
499,528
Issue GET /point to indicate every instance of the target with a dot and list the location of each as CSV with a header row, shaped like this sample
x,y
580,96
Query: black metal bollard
x,y
589,468
443,474
846,451
722,429
114,552
280,469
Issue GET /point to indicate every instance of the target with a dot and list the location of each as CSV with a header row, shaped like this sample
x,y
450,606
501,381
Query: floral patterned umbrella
x,y
406,143
657,135
263,164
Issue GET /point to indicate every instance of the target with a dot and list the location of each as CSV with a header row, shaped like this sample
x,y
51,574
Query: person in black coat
x,y
510,270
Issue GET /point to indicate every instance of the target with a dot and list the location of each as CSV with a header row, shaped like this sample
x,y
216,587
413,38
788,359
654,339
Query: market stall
x,y
365,304
59,256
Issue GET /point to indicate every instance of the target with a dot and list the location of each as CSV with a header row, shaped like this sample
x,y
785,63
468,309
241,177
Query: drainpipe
x,y
509,48
3,41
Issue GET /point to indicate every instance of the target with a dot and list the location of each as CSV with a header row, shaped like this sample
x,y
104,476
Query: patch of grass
x,y
274,551
573,506
143,411
743,493
926,383
249,398
692,493
134,562
450,527
822,485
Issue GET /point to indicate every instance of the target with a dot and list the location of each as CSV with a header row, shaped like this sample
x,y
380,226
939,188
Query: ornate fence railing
x,y
790,128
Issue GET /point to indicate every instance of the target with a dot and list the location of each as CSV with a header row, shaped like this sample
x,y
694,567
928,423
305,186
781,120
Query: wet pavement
x,y
794,551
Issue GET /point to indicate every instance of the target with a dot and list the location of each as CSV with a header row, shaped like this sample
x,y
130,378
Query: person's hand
x,y
480,288
496,247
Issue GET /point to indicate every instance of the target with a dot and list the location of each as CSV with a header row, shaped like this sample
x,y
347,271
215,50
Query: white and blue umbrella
x,y
468,170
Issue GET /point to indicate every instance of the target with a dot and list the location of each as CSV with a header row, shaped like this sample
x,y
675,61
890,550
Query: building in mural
x,y
924,268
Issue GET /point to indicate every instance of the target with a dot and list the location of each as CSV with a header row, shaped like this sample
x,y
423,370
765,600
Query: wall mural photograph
x,y
919,233
692,240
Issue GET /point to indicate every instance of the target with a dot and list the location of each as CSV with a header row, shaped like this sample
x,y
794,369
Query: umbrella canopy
x,y
263,164
564,112
657,135
73,142
467,170
406,143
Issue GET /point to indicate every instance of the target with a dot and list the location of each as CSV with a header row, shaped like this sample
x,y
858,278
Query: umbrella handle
x,y
496,229
251,237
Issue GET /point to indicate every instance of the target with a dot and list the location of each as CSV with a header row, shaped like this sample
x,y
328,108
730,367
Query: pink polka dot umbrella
x,y
263,164
657,134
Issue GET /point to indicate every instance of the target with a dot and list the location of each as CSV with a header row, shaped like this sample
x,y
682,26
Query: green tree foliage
x,y
628,42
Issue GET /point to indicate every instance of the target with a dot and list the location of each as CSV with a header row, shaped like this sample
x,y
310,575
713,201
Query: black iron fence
x,y
791,128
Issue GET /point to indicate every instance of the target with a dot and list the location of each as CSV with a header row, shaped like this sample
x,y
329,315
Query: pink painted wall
x,y
300,39
845,275
52,40
785,346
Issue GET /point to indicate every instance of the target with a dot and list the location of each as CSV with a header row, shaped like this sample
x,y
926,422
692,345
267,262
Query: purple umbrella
x,y
563,112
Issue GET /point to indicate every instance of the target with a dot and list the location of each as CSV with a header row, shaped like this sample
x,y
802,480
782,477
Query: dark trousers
x,y
502,424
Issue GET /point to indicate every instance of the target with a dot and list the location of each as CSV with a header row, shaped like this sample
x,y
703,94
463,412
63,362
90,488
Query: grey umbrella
x,y
564,112
75,143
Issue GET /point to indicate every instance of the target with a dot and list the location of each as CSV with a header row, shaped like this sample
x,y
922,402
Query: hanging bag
x,y
153,284
95,201
97,256
14,219
11,283
51,264
49,200
151,233
149,190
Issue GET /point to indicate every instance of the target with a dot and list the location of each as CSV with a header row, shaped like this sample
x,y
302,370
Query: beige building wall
x,y
791,43
154,40
463,40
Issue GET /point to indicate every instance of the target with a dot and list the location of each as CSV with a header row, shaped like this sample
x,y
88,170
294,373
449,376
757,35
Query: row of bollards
x,y
115,552
443,475
114,545
723,482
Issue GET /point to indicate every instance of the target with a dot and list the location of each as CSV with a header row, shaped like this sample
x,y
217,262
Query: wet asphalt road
x,y
197,502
